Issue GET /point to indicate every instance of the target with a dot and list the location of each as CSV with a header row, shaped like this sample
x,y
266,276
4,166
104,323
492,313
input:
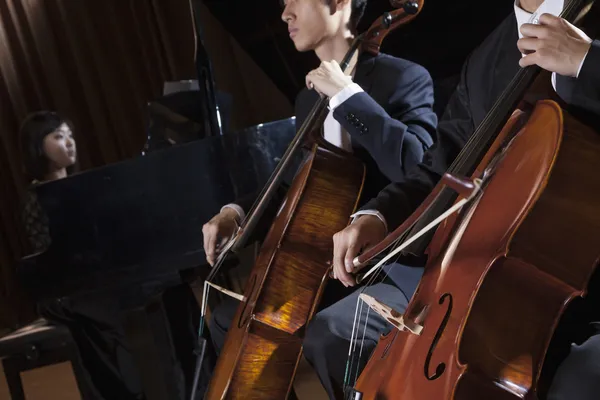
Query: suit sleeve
x,y
399,199
583,91
246,201
400,133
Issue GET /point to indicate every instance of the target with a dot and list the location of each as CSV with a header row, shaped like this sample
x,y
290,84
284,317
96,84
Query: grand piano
x,y
137,224
124,225
141,219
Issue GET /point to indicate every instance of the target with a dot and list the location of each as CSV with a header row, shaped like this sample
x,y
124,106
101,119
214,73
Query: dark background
x,y
99,63
439,38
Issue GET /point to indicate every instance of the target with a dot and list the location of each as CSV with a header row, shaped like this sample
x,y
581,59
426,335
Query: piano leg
x,y
163,334
149,334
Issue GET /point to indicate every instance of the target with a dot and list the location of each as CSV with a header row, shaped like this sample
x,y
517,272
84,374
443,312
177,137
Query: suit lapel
x,y
304,103
503,64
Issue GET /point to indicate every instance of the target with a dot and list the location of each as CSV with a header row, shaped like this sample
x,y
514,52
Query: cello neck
x,y
486,133
490,127
311,123
369,41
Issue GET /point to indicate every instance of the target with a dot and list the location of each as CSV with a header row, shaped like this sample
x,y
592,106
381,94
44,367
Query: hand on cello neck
x,y
218,231
555,45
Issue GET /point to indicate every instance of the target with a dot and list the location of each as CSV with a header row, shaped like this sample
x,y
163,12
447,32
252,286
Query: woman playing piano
x,y
50,153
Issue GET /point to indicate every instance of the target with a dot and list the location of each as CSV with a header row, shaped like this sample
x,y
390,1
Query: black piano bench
x,y
36,345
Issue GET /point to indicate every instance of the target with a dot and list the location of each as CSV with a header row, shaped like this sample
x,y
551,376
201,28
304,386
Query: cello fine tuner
x,y
392,316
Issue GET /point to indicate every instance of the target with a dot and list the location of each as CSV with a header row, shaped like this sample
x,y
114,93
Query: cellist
x,y
554,45
381,110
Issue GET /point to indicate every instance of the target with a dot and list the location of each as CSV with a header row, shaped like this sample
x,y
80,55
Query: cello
x,y
514,248
263,346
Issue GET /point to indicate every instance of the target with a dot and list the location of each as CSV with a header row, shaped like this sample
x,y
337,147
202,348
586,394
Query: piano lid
x,y
142,218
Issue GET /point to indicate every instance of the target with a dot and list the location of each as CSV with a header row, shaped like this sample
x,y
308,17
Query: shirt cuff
x,y
582,61
370,212
344,94
239,210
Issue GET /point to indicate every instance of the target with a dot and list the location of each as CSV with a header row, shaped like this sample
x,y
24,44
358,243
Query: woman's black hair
x,y
34,129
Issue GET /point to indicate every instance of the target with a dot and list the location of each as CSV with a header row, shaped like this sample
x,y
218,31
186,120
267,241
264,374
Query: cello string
x,y
362,345
475,141
355,341
350,362
315,116
349,358
491,117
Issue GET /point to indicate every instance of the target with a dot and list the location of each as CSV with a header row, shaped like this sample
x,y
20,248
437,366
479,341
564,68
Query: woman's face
x,y
59,147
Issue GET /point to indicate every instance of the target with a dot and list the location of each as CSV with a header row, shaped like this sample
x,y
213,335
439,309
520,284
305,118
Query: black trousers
x,y
578,375
329,334
97,331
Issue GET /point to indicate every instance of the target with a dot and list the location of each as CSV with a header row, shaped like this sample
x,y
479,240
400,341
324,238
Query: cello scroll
x,y
406,12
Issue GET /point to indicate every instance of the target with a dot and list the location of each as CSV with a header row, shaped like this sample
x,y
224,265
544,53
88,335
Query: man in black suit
x,y
381,109
554,45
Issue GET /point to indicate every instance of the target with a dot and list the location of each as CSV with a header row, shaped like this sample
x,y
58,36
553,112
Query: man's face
x,y
310,22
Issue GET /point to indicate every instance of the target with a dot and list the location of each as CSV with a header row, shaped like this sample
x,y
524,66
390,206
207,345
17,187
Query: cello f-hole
x,y
439,370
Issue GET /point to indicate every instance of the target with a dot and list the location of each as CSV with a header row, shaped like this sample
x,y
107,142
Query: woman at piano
x,y
50,153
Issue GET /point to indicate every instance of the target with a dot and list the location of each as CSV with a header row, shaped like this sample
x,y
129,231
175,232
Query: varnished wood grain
x,y
263,346
529,246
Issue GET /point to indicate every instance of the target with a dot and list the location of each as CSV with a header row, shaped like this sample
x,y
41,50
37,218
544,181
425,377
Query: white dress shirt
x,y
554,7
332,131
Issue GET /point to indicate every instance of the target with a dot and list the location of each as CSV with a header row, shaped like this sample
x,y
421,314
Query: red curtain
x,y
96,62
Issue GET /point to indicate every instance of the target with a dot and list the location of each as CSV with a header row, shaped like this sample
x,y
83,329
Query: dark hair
x,y
358,10
34,129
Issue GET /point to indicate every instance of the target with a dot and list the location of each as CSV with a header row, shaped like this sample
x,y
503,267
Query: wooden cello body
x,y
501,273
264,343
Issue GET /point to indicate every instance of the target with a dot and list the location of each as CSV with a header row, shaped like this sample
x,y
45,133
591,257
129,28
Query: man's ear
x,y
338,5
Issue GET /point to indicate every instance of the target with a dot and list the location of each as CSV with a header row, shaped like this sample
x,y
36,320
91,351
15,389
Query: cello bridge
x,y
392,316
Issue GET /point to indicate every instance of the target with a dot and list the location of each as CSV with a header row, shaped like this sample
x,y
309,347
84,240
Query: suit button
x,y
364,129
350,116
